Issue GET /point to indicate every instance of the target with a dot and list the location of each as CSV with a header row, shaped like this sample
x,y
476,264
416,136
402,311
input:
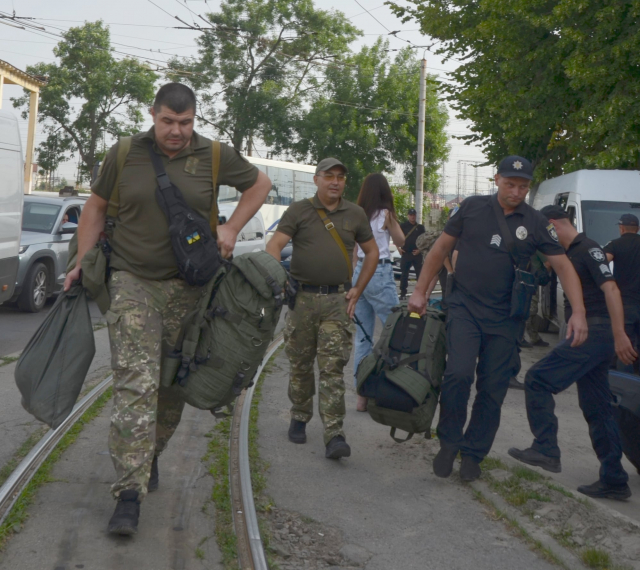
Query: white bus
x,y
290,182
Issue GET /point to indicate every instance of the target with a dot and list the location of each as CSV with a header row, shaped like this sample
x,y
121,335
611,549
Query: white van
x,y
252,237
11,195
595,200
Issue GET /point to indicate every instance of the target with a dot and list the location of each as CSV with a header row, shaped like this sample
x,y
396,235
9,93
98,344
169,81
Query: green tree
x,y
553,80
88,93
258,62
367,116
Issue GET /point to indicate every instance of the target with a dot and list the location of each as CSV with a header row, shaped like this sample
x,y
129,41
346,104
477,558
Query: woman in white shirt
x,y
380,295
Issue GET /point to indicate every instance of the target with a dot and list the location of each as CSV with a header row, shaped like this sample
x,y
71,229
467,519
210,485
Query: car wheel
x,y
34,292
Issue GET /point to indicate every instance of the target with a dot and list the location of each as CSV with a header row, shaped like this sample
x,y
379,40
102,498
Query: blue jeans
x,y
588,366
378,298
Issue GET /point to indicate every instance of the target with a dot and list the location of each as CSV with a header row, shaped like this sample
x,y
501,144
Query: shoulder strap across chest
x,y
331,228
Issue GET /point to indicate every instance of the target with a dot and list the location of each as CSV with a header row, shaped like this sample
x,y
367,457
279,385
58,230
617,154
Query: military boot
x,y
154,479
337,448
600,490
125,518
297,432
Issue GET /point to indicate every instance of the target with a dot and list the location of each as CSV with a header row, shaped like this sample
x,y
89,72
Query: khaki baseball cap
x,y
328,163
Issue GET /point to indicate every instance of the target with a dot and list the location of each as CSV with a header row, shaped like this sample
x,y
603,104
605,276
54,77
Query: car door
x,y
61,241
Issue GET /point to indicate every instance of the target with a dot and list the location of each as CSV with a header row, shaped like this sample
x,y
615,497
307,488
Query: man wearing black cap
x,y
324,230
411,255
625,253
481,333
587,364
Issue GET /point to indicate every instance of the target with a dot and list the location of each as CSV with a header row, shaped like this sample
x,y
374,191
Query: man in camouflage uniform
x,y
148,298
324,231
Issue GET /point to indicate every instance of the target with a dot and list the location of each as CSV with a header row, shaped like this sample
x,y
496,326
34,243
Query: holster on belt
x,y
291,292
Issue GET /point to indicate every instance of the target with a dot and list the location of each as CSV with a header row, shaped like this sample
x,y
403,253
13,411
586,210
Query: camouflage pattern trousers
x,y
318,326
144,315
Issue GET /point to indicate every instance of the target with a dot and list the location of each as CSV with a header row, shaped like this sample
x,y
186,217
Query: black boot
x,y
154,479
515,383
600,490
537,459
469,469
125,518
443,462
297,432
337,448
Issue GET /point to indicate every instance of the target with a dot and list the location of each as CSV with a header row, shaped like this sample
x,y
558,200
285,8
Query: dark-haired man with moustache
x,y
587,365
148,299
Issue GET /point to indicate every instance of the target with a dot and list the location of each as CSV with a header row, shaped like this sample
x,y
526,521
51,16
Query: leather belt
x,y
325,289
380,261
598,321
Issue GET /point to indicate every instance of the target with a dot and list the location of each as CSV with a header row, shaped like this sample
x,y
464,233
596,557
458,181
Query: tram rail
x,y
251,553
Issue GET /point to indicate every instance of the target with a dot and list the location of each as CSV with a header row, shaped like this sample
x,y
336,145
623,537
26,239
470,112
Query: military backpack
x,y
401,377
223,341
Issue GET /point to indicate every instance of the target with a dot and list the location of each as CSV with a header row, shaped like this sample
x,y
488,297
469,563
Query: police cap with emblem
x,y
554,212
411,211
515,166
628,220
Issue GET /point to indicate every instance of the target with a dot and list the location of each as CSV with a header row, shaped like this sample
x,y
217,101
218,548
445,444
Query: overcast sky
x,y
141,29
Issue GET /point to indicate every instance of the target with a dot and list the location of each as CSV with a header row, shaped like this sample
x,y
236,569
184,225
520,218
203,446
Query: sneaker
x,y
443,462
524,343
469,469
297,432
515,383
154,479
125,518
600,490
532,457
337,448
540,342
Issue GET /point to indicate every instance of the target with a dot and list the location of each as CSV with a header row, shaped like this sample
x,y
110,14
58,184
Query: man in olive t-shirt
x,y
148,299
324,231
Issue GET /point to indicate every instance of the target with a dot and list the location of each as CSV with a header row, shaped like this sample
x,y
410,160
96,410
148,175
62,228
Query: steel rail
x,y
28,467
251,554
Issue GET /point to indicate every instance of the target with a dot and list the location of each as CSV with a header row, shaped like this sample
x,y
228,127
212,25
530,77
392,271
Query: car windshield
x,y
38,217
600,219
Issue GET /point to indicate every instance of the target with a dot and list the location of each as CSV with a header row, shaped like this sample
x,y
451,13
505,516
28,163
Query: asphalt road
x,y
17,327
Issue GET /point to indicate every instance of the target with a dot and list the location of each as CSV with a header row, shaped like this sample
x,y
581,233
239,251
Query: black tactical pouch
x,y
524,287
291,292
194,246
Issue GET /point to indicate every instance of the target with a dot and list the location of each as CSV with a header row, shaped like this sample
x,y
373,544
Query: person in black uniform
x,y
587,364
479,326
411,255
625,253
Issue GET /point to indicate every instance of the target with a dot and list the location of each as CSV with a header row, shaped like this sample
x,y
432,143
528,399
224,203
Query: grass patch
x,y
517,529
490,463
199,554
19,512
527,474
21,453
564,536
596,558
4,360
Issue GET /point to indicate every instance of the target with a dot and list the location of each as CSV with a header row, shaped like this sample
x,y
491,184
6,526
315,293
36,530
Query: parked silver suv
x,y
47,226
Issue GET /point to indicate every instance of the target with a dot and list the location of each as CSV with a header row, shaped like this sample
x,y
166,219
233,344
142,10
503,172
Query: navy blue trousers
x,y
469,340
588,366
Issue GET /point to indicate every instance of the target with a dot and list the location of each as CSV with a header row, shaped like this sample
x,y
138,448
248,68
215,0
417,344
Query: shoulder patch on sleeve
x,y
597,254
552,232
605,270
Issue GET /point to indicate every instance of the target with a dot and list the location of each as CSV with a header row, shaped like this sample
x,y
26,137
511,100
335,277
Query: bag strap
x,y
392,433
507,236
124,146
413,229
215,168
331,228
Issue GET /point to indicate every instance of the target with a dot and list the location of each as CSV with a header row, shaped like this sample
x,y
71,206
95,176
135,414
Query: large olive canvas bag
x,y
53,366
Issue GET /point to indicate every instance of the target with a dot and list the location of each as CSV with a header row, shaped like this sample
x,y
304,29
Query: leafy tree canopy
x,y
554,80
88,93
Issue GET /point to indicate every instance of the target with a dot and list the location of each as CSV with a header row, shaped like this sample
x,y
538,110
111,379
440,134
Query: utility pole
x,y
421,126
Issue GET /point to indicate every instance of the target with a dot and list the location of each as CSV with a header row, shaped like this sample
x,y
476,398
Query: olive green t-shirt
x,y
141,242
316,258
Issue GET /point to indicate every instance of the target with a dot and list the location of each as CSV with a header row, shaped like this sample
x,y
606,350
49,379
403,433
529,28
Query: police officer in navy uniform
x,y
411,255
481,334
625,253
587,364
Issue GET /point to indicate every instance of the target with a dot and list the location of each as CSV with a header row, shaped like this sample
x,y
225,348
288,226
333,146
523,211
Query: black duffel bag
x,y
626,410
53,366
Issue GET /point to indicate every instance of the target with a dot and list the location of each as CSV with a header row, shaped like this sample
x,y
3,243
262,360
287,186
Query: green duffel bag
x,y
223,341
401,377
52,368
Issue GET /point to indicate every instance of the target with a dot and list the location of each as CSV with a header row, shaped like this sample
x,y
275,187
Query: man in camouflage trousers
x,y
148,299
324,231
